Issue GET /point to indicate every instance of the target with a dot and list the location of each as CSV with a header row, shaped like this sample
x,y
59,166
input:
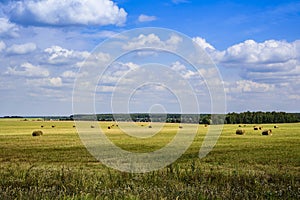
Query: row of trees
x,y
261,117
231,118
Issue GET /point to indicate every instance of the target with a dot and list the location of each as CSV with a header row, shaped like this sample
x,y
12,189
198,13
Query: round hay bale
x,y
255,128
180,127
205,125
37,133
240,132
276,126
74,126
53,126
240,125
92,126
42,126
149,126
108,127
267,132
260,127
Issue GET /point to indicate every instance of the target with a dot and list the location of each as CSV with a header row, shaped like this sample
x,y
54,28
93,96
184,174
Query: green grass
x,y
58,166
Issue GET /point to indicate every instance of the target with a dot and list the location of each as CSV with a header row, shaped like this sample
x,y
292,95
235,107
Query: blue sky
x,y
255,45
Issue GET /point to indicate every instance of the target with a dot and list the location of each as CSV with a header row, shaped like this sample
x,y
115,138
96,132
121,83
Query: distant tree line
x,y
12,117
261,117
231,118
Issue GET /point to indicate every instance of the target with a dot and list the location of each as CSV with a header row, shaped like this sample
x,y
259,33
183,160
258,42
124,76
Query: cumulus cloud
x,y
21,48
28,70
185,72
270,61
178,66
67,12
202,43
268,52
7,28
57,55
152,40
146,18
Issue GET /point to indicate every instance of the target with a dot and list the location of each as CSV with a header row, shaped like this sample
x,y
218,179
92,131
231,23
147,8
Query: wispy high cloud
x,y
179,1
146,18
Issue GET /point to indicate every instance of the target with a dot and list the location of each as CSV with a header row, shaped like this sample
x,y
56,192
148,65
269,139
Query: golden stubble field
x,y
56,165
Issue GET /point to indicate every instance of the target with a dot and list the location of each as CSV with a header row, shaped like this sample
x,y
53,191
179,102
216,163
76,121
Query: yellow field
x,y
246,166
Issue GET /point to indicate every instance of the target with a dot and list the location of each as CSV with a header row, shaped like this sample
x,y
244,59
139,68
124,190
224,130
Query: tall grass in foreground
x,y
174,182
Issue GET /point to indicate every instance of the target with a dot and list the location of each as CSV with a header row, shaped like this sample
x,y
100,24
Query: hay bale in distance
x,y
37,133
149,126
74,126
205,125
180,127
260,127
92,126
240,125
240,132
53,126
42,126
255,128
267,132
108,127
276,126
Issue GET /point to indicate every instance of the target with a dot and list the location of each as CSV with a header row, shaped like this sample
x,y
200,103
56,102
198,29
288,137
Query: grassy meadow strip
x,y
56,165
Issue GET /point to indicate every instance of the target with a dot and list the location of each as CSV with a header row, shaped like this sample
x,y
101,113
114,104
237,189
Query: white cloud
x,y
69,74
28,70
270,51
21,48
177,66
154,41
249,87
269,62
41,83
2,46
246,86
7,28
58,55
67,12
56,82
179,1
294,97
183,71
202,43
146,18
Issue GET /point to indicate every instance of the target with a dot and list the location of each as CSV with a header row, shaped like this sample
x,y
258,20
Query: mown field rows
x,y
56,165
